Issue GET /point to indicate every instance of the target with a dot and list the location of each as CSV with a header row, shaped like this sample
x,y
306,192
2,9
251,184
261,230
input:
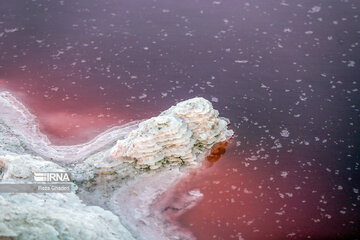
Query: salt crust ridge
x,y
176,136
54,216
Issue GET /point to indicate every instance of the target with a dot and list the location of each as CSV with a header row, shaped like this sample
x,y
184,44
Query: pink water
x,y
285,74
70,118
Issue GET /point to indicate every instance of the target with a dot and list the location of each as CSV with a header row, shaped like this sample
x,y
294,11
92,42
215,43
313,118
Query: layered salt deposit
x,y
202,119
111,178
176,136
157,140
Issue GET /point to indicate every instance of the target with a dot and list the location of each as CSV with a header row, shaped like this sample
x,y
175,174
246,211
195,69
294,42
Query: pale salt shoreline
x,y
131,193
24,124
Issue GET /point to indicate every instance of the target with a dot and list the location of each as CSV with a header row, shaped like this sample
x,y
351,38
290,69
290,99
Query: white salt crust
x,y
176,136
182,134
27,216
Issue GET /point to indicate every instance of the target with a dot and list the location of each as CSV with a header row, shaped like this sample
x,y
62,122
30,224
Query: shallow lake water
x,y
285,74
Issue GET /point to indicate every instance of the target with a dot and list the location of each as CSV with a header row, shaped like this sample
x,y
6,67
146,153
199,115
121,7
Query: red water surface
x,y
277,195
285,73
242,201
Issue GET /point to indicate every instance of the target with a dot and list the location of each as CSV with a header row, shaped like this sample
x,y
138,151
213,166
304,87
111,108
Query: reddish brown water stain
x,y
216,152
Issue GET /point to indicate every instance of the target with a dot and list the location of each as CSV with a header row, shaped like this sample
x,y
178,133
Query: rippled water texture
x,y
286,74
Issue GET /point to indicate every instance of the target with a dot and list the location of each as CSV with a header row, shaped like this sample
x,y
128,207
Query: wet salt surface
x,y
285,74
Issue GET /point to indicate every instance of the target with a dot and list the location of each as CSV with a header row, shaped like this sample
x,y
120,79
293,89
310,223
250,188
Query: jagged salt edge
x,y
24,123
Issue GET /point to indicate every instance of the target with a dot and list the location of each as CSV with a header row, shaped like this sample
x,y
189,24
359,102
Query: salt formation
x,y
158,139
56,216
202,119
176,136
23,166
50,215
